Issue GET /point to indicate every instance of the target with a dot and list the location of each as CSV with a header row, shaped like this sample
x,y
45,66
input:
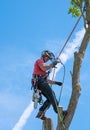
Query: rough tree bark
x,y
78,58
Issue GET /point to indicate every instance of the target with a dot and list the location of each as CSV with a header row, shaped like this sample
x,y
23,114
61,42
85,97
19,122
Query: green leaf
x,y
74,11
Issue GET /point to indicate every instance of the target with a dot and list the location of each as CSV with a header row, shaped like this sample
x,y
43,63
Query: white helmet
x,y
48,54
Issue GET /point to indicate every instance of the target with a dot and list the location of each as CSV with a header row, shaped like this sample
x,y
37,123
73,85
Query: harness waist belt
x,y
39,76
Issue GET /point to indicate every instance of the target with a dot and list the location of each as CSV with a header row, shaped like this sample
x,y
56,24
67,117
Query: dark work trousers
x,y
48,93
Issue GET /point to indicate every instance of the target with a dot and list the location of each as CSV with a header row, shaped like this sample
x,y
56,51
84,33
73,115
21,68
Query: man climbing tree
x,y
40,81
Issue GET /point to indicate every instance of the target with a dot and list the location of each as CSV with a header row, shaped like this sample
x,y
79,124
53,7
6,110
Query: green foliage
x,y
75,7
74,11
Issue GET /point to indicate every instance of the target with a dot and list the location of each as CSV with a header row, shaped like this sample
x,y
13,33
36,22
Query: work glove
x,y
55,63
58,83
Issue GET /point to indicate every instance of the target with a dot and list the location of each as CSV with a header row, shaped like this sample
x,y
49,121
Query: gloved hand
x,y
55,63
58,83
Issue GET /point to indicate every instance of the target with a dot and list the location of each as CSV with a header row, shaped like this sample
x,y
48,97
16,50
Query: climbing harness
x,y
37,94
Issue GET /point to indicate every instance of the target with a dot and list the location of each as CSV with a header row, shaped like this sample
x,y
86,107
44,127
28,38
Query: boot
x,y
41,115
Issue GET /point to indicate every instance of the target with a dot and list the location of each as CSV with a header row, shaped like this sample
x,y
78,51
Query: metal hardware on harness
x,y
37,98
37,94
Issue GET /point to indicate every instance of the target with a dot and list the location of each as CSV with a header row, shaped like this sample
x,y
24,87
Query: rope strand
x,y
69,36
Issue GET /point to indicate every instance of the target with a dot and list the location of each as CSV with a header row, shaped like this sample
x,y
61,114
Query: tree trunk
x,y
78,58
47,124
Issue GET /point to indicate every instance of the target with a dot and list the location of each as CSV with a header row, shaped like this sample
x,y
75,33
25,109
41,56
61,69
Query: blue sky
x,y
27,28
